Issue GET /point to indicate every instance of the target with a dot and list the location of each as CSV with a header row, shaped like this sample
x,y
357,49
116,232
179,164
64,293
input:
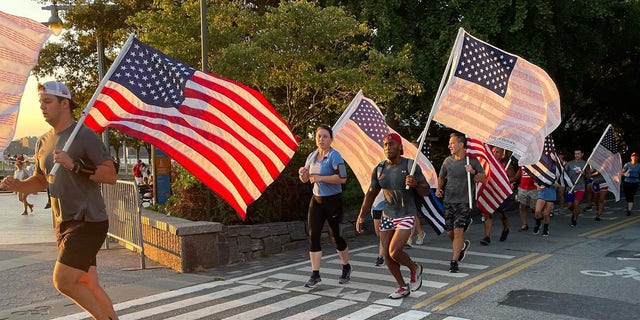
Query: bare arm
x,y
33,184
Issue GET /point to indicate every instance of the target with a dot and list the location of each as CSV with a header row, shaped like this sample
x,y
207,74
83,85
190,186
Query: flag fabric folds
x,y
225,133
21,40
493,192
607,160
498,98
358,135
549,169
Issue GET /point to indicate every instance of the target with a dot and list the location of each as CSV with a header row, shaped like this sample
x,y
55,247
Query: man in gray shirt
x,y
578,172
457,211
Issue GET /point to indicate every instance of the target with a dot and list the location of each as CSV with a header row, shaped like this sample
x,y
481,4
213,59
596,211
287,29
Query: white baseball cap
x,y
56,88
59,89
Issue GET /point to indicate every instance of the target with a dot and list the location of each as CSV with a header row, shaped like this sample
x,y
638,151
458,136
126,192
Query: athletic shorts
x,y
456,215
528,197
547,194
578,195
79,242
404,223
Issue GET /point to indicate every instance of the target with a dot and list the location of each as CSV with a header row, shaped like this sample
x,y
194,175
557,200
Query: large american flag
x,y
498,98
225,133
21,40
607,160
493,192
358,135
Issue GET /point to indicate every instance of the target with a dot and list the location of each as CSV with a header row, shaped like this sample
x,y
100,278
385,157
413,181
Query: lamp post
x,y
55,24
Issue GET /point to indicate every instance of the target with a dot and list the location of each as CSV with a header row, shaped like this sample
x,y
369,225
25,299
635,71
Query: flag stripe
x,y
497,188
607,160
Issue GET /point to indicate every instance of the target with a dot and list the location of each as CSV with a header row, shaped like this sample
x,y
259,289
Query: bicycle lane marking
x,y
457,297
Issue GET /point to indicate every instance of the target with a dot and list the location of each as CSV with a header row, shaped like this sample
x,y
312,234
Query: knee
x,y
63,285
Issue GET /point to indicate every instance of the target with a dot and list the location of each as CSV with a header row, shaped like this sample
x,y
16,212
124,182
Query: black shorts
x,y
79,242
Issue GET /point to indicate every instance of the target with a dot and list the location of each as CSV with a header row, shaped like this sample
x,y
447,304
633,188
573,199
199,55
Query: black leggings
x,y
630,189
325,208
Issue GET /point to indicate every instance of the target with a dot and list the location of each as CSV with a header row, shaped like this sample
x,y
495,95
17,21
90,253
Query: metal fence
x,y
125,215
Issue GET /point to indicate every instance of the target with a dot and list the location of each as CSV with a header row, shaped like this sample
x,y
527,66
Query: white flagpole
x,y
589,159
84,113
346,114
445,75
469,186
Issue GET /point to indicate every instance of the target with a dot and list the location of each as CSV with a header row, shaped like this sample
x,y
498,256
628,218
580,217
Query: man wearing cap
x,y
78,207
399,214
453,178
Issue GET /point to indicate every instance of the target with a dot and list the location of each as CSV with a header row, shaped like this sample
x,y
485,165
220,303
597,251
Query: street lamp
x,y
55,24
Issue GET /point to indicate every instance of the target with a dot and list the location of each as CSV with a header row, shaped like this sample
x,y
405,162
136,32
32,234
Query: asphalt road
x,y
591,271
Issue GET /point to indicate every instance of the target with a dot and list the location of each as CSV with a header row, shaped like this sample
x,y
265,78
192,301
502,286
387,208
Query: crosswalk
x,y
279,293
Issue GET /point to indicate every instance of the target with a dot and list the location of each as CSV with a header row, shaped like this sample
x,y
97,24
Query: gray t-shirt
x,y
456,188
73,197
391,179
572,168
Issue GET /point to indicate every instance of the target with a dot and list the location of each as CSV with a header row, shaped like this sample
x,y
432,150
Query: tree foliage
x,y
309,58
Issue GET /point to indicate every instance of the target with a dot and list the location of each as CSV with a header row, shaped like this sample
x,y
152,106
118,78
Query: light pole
x,y
55,24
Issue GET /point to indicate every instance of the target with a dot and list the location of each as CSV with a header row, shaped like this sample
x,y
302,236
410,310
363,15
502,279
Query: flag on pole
x,y
358,135
547,169
498,98
607,160
493,192
21,40
225,133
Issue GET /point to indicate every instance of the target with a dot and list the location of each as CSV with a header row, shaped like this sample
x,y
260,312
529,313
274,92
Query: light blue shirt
x,y
326,167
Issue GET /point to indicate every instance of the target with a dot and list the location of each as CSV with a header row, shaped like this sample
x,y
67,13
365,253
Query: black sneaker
x,y
467,244
504,235
466,228
573,223
453,266
346,276
536,229
597,218
313,282
524,227
628,213
485,241
545,233
379,261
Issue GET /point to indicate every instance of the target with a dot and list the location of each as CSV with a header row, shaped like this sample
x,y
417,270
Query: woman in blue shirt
x,y
326,170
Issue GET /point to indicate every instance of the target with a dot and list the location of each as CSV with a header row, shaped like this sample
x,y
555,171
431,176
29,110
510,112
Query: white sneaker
x,y
420,238
400,293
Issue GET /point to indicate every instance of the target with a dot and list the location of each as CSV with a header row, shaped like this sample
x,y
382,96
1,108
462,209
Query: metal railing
x,y
125,215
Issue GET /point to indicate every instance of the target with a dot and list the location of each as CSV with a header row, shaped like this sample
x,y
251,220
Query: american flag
x,y
498,98
20,42
493,192
607,160
225,133
358,135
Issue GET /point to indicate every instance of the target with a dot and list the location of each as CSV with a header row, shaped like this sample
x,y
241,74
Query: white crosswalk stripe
x,y
279,293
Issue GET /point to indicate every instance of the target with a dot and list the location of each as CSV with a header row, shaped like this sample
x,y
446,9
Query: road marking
x,y
472,253
322,310
465,283
429,261
489,282
242,301
610,228
411,315
366,313
273,308
438,272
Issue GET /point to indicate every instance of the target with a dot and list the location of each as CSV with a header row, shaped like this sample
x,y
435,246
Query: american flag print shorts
x,y
404,223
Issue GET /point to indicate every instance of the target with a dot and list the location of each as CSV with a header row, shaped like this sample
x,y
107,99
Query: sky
x,y
30,120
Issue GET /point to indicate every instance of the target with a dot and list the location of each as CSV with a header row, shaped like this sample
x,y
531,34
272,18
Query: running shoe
x,y
545,233
453,266
420,238
400,293
504,235
628,213
598,218
415,281
536,229
524,227
467,244
485,241
379,261
346,276
573,223
313,282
